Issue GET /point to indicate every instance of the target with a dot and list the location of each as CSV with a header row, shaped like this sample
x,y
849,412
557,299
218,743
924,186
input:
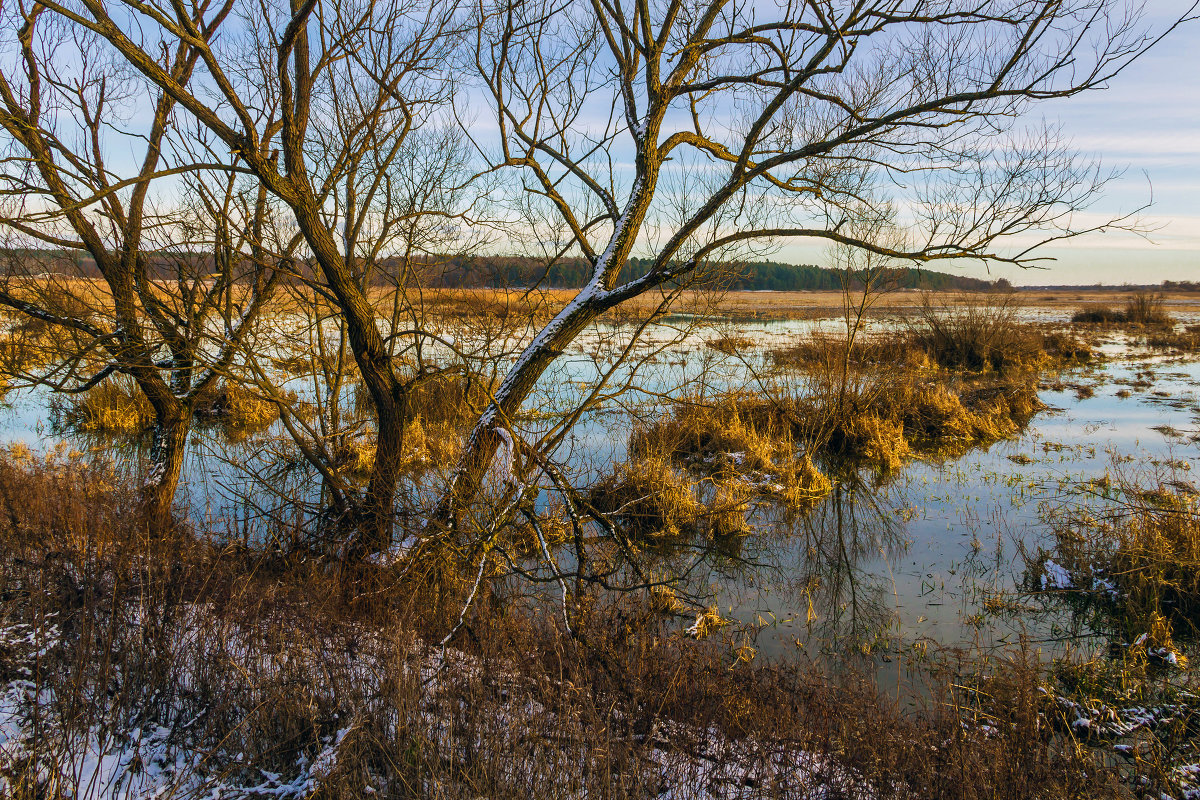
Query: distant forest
x,y
756,276
515,271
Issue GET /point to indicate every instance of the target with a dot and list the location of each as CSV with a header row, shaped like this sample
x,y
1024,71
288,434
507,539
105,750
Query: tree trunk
x,y
376,522
515,388
166,462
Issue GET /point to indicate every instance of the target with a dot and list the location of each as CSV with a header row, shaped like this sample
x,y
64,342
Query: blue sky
x,y
1147,123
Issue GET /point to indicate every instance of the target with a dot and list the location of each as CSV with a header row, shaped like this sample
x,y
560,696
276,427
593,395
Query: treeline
x,y
499,271
476,272
778,277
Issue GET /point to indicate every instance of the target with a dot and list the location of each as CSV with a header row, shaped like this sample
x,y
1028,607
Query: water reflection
x,y
850,602
869,568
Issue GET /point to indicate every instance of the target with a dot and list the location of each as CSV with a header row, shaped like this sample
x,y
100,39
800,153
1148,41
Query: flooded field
x,y
944,552
888,542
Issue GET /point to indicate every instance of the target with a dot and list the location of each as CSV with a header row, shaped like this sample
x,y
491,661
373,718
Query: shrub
x,y
1141,308
1099,315
1146,308
974,332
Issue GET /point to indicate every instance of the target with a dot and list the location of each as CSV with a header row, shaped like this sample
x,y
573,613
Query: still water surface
x,y
880,566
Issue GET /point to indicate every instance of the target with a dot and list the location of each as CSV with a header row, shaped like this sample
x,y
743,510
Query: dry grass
x,y
440,408
237,409
651,498
982,333
1136,550
828,351
737,436
1126,561
115,405
882,425
1185,341
1141,309
240,672
118,406
879,419
731,344
969,336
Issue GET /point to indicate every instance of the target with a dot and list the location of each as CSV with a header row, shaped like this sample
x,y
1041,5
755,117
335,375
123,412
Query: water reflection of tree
x,y
240,486
847,596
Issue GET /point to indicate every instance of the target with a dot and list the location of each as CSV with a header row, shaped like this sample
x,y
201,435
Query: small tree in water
x,y
106,283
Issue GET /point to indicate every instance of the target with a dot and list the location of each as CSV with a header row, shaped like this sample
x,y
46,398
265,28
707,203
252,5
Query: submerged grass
x,y
1185,341
1134,551
1126,560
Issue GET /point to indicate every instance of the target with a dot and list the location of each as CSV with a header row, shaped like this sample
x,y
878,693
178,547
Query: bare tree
x,y
121,286
793,120
316,100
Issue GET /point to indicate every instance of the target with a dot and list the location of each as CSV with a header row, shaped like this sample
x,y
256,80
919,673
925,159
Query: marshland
x,y
414,398
809,558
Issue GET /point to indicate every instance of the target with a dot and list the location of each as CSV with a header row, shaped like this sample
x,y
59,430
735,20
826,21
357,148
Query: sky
x,y
1146,125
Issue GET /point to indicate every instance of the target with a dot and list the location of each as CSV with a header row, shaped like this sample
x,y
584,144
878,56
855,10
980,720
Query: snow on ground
x,y
140,759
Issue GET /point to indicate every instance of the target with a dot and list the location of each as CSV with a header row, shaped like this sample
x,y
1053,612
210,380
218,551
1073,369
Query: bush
x,y
1141,308
1099,315
968,334
975,333
1146,308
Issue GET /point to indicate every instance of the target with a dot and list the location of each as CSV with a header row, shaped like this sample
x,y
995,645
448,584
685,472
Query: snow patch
x,y
1055,576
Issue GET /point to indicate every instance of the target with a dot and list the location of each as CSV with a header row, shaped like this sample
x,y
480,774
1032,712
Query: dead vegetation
x,y
194,666
441,406
114,405
965,334
1125,561
737,436
1185,341
877,421
1141,309
651,498
237,409
731,344
1134,550
117,406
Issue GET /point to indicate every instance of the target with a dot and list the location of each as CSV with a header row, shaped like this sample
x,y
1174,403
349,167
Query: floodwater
x,y
887,567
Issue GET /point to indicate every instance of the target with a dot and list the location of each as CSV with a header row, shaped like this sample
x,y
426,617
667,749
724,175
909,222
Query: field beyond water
x,y
955,556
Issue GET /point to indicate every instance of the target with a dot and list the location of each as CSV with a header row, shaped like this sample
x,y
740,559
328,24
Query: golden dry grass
x,y
651,498
1145,544
114,405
